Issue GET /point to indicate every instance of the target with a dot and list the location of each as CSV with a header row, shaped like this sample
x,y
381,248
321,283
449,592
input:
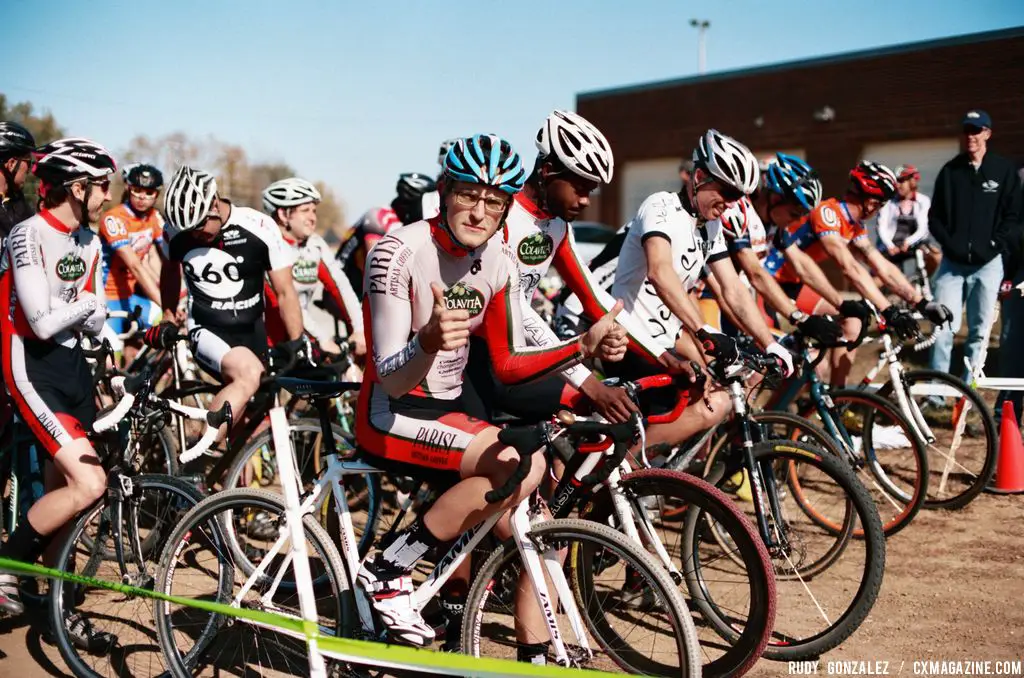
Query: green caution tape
x,y
344,649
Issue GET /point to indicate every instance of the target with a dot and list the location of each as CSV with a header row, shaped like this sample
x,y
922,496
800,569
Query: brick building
x,y
893,105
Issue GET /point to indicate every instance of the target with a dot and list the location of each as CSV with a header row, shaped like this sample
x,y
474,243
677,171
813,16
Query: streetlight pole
x,y
702,27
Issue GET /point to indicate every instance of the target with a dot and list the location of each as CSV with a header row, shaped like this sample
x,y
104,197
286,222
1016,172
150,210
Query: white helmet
x,y
443,150
188,198
290,192
728,161
578,145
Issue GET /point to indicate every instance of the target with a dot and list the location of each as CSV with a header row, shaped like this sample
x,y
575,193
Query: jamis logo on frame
x,y
462,297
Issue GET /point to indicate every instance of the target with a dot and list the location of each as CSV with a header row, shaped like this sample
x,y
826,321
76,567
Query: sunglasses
x,y
971,130
143,192
492,203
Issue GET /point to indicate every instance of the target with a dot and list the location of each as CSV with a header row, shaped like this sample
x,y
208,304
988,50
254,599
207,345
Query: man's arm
x,y
938,213
740,301
539,333
764,283
838,249
662,274
141,272
890,274
287,301
810,273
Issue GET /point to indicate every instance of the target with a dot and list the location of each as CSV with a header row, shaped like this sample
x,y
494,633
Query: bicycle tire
x,y
984,476
62,592
311,469
686,645
206,513
786,645
705,502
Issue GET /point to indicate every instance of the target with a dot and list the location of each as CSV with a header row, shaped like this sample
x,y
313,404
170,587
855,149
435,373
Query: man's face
x,y
142,199
567,194
907,187
18,167
870,207
301,221
783,213
475,212
214,220
712,197
94,194
975,139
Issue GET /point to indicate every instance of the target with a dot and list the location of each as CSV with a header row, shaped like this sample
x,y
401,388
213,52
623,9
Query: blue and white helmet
x,y
793,179
485,159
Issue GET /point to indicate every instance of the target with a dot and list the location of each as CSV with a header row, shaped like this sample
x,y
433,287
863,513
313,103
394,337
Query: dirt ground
x,y
953,590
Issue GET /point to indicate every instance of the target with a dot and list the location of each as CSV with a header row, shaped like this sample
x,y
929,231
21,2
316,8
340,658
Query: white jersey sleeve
x,y
278,251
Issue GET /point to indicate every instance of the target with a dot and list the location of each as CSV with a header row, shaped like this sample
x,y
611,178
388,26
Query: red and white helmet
x,y
873,180
578,145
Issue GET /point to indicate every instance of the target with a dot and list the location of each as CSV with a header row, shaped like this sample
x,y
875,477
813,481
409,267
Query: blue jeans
x,y
978,287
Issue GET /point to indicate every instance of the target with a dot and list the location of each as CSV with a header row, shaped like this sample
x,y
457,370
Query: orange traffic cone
x,y
1010,471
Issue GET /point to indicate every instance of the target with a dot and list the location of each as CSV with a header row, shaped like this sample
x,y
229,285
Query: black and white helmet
x,y
728,161
290,192
73,159
188,198
443,150
578,145
15,140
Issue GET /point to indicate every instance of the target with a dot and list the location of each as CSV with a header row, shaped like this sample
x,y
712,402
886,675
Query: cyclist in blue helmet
x,y
427,287
789,190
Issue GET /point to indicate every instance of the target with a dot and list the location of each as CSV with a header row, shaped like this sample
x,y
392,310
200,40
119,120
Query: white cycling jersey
x,y
315,267
694,245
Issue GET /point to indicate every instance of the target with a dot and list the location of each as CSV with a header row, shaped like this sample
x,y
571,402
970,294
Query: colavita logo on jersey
x,y
305,271
70,267
535,249
462,297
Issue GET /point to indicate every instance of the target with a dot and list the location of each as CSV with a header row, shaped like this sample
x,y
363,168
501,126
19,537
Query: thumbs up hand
x,y
447,330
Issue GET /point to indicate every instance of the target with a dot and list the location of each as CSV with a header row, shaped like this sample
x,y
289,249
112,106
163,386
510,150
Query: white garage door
x,y
928,155
641,179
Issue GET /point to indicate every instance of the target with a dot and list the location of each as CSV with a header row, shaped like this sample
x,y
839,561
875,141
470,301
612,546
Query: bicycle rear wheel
x,y
196,563
659,642
963,445
156,505
826,581
730,580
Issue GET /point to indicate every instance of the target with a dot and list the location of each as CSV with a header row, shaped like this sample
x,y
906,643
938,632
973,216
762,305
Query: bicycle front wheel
x,y
826,581
960,434
196,563
122,639
660,641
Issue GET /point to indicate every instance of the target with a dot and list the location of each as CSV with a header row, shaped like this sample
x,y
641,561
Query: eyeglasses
x,y
140,192
492,203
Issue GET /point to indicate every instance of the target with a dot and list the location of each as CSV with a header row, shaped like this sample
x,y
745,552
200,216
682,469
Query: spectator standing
x,y
975,208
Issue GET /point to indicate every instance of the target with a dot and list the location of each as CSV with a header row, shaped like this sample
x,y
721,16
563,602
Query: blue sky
x,y
354,93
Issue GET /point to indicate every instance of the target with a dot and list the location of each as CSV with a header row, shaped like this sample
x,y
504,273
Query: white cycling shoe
x,y
393,600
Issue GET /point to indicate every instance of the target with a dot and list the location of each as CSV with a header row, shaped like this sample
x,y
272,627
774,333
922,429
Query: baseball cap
x,y
906,171
977,118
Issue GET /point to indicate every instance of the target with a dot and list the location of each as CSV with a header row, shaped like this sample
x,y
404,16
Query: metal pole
x,y
702,27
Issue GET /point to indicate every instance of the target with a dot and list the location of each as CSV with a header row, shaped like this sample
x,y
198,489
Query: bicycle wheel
x,y
884,451
733,587
826,581
156,505
197,564
962,440
256,466
666,630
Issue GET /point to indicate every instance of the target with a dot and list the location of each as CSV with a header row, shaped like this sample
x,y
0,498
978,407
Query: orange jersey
x,y
829,219
121,227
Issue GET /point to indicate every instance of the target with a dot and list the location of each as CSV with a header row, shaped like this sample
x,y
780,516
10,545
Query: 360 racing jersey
x,y
537,240
121,227
361,238
694,245
315,267
225,276
829,219
399,301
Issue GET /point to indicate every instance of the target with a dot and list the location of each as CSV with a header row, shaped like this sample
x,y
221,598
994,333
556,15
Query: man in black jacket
x,y
16,146
975,214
